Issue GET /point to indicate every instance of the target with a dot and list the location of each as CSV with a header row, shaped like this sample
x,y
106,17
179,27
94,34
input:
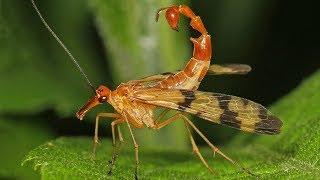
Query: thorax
x,y
137,113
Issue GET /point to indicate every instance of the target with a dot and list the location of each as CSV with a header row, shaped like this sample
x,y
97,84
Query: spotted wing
x,y
224,109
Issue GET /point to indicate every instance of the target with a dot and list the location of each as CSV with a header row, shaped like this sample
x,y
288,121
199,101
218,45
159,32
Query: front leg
x,y
114,149
136,149
95,138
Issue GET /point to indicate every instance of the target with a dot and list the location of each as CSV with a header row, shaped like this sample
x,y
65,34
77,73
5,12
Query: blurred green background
x,y
115,41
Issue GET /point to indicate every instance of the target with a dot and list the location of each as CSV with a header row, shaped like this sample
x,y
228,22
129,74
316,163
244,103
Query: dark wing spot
x,y
263,112
269,124
228,117
245,101
224,101
188,98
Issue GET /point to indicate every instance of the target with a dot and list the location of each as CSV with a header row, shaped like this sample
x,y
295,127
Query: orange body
x,y
138,113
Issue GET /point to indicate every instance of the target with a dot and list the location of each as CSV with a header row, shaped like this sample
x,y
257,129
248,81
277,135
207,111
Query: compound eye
x,y
102,99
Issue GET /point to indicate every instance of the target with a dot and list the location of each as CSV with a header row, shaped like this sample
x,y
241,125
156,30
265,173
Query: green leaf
x,y
292,154
71,157
19,136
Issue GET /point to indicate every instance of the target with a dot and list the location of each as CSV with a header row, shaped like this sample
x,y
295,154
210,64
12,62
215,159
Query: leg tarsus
x,y
113,159
95,137
196,150
114,145
95,143
136,174
120,135
136,149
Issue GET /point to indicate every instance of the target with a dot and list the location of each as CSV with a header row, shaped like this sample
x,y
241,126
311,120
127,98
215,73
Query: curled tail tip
x,y
158,13
172,16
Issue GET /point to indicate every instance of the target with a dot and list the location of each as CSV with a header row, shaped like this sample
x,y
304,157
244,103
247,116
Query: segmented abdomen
x,y
189,78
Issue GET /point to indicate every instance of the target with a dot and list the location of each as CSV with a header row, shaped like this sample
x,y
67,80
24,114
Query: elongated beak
x,y
90,104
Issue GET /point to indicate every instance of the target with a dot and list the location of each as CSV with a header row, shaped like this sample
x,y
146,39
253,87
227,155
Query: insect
x,y
136,101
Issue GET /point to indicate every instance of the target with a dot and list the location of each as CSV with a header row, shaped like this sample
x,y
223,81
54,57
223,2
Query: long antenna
x,y
63,46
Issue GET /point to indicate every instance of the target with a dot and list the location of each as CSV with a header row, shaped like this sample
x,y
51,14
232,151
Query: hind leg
x,y
193,143
196,149
213,148
136,148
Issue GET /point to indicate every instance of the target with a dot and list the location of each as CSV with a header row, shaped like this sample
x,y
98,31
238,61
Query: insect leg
x,y
194,145
161,115
214,149
95,138
167,121
196,149
136,150
120,135
114,149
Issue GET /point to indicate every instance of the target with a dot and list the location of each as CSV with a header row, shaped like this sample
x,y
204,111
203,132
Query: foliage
x,y
19,136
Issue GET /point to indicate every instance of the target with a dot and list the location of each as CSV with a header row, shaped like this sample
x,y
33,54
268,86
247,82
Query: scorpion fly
x,y
135,101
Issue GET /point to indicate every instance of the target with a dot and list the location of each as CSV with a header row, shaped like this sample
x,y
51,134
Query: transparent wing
x,y
216,69
153,79
224,109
